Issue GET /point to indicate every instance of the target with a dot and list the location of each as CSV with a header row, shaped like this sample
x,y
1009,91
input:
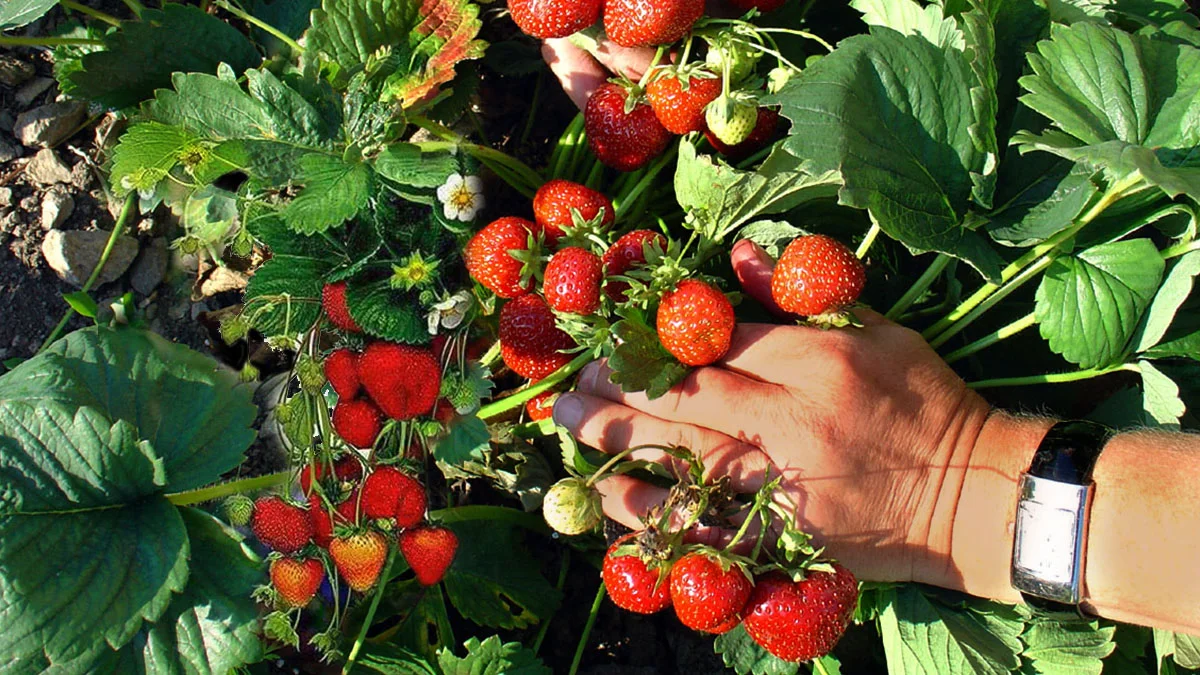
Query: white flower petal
x,y
431,322
451,211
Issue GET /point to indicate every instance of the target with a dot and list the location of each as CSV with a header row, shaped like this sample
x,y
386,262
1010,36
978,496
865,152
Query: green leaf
x,y
894,115
721,198
492,657
1185,648
467,440
1066,648
1183,338
290,17
909,18
1089,305
980,29
142,55
639,362
922,635
82,303
334,192
17,13
284,295
146,152
387,313
128,374
1160,398
772,235
212,625
1171,296
210,215
741,653
406,164
391,659
494,581
1038,196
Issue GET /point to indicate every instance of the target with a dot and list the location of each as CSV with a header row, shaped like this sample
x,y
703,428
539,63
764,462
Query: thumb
x,y
753,267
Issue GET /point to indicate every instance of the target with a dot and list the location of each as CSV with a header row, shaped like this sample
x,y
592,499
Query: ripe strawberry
x,y
679,97
631,584
764,129
333,299
708,592
429,551
731,119
345,468
637,23
345,513
624,139
359,558
357,421
297,580
281,525
390,493
530,342
403,381
553,18
541,407
572,281
625,254
817,275
554,201
490,262
799,621
341,369
695,323
760,5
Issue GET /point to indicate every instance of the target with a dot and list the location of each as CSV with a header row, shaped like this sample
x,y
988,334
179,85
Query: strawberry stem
x,y
565,147
507,403
646,76
362,633
622,203
205,494
587,629
922,284
992,338
94,13
259,23
1053,378
618,457
871,236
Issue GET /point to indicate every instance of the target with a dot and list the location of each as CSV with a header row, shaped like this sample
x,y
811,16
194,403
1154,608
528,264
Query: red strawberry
x,y
764,129
760,5
490,262
345,468
345,513
638,23
680,109
626,141
281,525
297,580
708,592
554,201
625,254
359,558
333,299
817,275
631,584
341,369
357,421
541,407
799,621
695,323
530,342
403,381
429,551
390,493
725,627
572,281
553,18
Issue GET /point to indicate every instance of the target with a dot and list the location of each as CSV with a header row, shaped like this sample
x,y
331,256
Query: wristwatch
x,y
1053,508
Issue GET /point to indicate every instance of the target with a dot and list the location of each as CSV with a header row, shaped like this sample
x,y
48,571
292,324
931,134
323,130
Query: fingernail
x,y
568,411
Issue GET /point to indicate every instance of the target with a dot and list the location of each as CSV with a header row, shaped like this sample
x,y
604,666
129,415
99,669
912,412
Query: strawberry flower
x,y
461,196
449,313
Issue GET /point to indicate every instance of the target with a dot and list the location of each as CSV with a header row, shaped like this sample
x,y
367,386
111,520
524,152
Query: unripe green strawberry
x,y
731,119
238,509
742,59
571,506
310,373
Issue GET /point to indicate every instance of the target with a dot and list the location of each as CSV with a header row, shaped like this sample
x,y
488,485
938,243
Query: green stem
x,y
621,203
207,494
490,357
1026,275
617,458
362,632
662,49
918,289
1052,378
518,399
530,179
259,23
461,514
872,235
991,339
587,630
94,13
533,107
13,41
562,581
593,177
566,143
1180,249
799,33
135,7
819,666
118,228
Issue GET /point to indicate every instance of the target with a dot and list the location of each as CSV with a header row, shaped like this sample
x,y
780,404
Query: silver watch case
x,y
1051,539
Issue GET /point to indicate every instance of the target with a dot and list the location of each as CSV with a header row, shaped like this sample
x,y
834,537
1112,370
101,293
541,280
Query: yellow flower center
x,y
462,198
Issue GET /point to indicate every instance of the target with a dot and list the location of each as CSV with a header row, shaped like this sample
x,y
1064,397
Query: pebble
x,y
74,254
49,124
222,279
150,267
6,197
33,89
8,150
81,175
47,169
14,71
57,206
6,121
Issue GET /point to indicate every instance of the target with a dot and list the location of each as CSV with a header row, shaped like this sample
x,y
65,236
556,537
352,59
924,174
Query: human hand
x,y
868,428
581,73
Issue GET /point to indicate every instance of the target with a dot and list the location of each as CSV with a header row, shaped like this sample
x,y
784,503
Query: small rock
x,y
47,169
74,254
57,206
198,309
14,71
29,203
6,197
6,121
81,175
150,267
8,151
49,124
222,279
35,88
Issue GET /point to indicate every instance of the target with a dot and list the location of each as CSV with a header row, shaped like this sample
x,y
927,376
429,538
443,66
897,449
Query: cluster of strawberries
x,y
350,521
399,382
795,616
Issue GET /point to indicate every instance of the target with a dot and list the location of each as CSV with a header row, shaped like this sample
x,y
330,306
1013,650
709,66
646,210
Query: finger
x,y
629,500
631,62
753,267
702,399
612,428
576,70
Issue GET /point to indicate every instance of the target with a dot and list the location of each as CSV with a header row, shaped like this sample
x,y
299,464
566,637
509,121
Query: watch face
x,y
1045,542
